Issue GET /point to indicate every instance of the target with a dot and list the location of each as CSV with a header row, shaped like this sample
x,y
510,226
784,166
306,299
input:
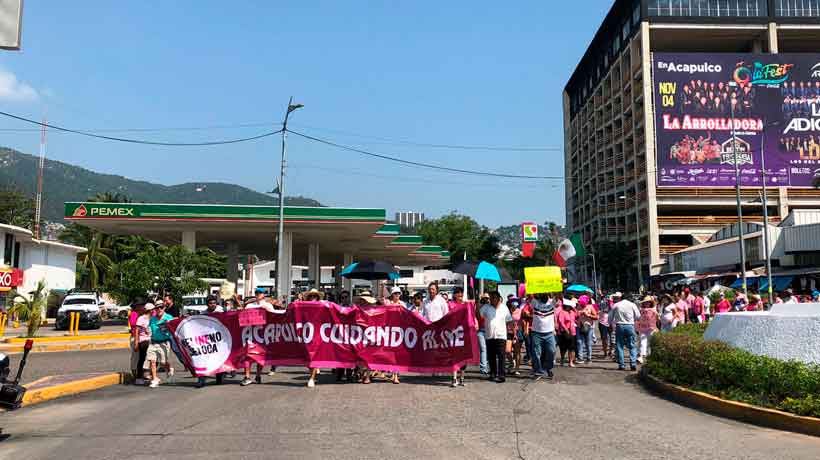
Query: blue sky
x,y
467,73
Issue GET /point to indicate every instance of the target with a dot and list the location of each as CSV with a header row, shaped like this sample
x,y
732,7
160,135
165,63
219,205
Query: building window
x,y
305,274
636,14
616,45
711,8
797,8
625,31
16,263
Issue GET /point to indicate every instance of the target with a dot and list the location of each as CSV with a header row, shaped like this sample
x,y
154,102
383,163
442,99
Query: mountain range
x,y
64,182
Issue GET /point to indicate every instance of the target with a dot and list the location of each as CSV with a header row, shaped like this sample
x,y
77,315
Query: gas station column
x,y
232,270
314,267
348,283
284,275
189,240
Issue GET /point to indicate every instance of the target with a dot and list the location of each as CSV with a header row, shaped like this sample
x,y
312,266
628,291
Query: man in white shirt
x,y
496,316
543,336
623,316
434,306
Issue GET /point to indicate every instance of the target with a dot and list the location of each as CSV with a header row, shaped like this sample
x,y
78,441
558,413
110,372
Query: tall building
x,y
409,218
648,113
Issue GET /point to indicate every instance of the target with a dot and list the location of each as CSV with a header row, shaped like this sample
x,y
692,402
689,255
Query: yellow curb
x,y
756,415
72,388
50,348
68,338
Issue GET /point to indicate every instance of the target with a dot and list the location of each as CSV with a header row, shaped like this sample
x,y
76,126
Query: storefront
x,y
24,261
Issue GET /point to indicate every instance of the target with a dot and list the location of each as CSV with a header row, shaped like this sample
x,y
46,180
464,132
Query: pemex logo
x,y
80,211
530,231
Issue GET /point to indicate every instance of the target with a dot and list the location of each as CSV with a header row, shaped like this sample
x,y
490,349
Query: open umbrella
x,y
578,288
478,270
370,270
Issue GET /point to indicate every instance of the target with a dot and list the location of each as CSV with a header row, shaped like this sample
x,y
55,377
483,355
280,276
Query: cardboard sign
x,y
252,317
541,280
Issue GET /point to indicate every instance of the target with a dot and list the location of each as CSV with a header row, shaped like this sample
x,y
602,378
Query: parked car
x,y
88,304
118,311
194,304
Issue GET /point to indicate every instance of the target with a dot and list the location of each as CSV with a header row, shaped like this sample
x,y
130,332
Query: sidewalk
x,y
49,340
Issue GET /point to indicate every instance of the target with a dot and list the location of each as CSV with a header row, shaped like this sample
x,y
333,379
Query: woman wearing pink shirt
x,y
566,317
682,311
646,325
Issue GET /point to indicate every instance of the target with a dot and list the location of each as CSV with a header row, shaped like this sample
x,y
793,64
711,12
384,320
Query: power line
x,y
389,141
140,141
359,173
150,130
423,165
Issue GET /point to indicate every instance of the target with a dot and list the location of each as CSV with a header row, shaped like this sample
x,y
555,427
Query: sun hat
x,y
572,303
648,299
315,292
367,296
395,290
149,306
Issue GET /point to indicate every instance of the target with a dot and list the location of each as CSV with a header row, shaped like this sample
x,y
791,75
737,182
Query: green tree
x,y
31,308
459,234
613,259
16,208
95,264
158,269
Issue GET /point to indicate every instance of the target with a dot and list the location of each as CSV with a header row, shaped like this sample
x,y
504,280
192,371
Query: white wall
x,y
51,262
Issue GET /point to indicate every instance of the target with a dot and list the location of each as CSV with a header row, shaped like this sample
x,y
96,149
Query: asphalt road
x,y
585,413
78,362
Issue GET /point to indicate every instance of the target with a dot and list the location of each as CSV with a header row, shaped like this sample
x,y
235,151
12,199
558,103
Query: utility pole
x,y
280,252
38,205
741,243
765,202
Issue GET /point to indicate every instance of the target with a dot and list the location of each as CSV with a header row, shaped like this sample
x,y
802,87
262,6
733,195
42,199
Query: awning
x,y
750,282
780,283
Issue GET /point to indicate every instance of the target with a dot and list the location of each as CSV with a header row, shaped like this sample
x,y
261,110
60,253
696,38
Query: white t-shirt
x,y
706,305
434,309
495,321
262,304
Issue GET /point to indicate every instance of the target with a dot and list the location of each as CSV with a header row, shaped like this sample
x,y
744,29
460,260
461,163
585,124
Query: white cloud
x,y
12,89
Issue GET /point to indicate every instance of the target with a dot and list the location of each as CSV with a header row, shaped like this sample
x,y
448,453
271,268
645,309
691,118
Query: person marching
x,y
458,300
395,299
159,350
212,306
566,318
623,316
543,336
496,317
646,325
314,295
262,302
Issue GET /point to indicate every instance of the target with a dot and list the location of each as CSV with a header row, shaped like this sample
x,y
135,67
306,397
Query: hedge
x,y
682,357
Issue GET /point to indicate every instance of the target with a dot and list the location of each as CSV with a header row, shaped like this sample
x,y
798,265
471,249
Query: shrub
x,y
682,357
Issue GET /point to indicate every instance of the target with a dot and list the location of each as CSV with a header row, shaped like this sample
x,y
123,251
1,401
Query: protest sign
x,y
541,280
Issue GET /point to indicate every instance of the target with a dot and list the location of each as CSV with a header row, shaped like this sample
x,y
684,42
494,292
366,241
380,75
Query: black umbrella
x,y
468,267
370,270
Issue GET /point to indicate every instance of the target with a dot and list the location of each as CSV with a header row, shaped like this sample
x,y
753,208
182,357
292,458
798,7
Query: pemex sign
x,y
94,210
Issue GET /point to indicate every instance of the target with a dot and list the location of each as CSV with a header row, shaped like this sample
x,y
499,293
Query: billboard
x,y
771,101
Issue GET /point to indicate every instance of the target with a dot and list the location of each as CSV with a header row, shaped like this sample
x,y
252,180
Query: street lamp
x,y
280,252
741,243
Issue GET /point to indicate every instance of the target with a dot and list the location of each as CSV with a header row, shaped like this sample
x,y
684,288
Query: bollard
x,y
3,318
15,322
73,323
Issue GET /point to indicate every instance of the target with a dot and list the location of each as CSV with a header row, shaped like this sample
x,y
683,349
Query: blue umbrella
x,y
579,288
349,268
487,271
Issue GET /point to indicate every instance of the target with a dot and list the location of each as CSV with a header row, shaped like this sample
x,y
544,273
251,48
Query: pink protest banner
x,y
323,334
252,317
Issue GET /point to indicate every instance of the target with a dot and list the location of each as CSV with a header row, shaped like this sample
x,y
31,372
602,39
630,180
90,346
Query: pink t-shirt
x,y
143,328
723,306
683,309
648,322
566,320
132,319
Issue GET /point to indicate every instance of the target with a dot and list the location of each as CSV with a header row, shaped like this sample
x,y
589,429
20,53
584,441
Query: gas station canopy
x,y
341,233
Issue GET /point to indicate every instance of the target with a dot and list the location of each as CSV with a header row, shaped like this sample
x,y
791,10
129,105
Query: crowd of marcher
x,y
541,330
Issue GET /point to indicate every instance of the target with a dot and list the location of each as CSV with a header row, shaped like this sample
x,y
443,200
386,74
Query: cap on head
x,y
259,290
617,295
149,306
395,290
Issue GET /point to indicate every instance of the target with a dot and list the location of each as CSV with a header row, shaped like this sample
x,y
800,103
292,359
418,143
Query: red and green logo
x,y
80,211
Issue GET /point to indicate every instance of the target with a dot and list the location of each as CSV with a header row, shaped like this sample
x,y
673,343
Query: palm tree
x,y
95,263
30,308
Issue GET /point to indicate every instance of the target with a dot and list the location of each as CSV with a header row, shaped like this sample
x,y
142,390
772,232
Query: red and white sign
x,y
10,278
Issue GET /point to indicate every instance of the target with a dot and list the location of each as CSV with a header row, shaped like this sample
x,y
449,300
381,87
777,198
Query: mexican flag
x,y
568,249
